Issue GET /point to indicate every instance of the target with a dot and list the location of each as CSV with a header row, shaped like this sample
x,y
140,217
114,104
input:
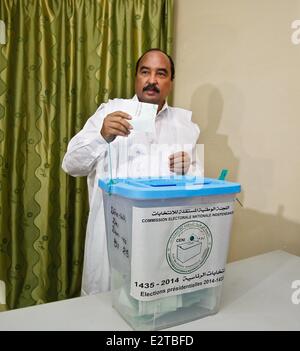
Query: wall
x,y
239,72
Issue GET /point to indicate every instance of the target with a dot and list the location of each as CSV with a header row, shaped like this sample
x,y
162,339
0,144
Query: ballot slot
x,y
165,182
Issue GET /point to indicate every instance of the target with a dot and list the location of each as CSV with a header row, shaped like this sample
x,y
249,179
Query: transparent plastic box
x,y
168,242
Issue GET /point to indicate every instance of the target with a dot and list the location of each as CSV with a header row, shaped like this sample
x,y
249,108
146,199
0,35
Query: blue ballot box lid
x,y
166,188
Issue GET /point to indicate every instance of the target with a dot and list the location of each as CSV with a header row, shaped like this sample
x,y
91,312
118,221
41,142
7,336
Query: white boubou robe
x,y
87,155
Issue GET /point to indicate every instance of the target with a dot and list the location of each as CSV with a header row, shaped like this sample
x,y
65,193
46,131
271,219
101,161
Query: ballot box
x,y
168,243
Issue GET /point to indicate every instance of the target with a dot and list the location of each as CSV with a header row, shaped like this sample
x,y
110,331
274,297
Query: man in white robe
x,y
87,153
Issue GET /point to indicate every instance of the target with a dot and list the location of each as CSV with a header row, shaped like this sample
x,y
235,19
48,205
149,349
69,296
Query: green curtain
x,y
62,59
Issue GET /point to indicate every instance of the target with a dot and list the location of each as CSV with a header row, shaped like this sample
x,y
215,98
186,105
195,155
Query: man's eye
x,y
162,74
144,72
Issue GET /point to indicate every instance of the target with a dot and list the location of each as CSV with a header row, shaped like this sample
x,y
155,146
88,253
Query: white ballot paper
x,y
143,114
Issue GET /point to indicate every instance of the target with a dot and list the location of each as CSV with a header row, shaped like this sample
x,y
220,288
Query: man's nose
x,y
152,78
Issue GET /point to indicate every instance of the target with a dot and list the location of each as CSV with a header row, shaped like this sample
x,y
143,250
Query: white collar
x,y
166,106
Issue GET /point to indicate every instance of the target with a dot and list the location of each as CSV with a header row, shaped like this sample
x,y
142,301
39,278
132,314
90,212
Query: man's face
x,y
153,79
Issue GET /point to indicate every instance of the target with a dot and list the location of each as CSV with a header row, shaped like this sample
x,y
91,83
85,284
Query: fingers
x,y
179,162
118,129
116,124
121,125
179,157
179,170
120,114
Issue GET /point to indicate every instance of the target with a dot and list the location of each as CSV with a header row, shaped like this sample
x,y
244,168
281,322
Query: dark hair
x,y
156,49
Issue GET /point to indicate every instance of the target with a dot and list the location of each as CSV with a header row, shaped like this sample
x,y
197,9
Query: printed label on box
x,y
176,250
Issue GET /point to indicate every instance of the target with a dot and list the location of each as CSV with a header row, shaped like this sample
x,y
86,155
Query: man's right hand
x,y
115,124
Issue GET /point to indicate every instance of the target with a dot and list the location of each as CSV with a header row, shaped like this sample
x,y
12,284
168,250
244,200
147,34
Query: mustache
x,y
151,87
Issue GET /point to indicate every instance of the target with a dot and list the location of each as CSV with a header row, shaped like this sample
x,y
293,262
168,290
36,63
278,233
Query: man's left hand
x,y
179,162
